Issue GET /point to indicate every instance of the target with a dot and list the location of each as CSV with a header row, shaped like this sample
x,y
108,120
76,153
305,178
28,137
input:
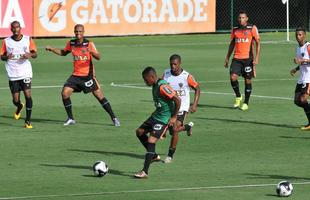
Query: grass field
x,y
232,155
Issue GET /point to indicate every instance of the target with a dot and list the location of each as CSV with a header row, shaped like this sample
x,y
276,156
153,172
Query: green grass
x,y
229,147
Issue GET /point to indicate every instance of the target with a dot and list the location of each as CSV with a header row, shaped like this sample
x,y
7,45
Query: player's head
x,y
175,63
149,76
15,28
300,34
243,18
79,31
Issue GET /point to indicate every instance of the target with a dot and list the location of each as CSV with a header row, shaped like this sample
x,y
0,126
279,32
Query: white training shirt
x,y
302,52
17,68
182,85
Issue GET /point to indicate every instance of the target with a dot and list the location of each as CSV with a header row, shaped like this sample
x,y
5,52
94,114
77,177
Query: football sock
x,y
187,127
107,107
18,105
143,139
235,87
148,157
307,111
171,152
28,108
68,107
247,93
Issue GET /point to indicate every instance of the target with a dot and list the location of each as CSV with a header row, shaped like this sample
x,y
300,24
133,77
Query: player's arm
x,y
300,61
60,52
4,55
230,51
32,51
195,86
257,44
294,70
167,92
93,51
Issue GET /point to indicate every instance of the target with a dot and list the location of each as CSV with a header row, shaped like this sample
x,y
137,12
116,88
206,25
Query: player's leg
x,y
66,94
174,131
301,100
28,100
247,73
106,105
15,91
235,71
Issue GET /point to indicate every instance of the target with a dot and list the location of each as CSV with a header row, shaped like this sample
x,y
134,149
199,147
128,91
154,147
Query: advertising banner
x,y
123,17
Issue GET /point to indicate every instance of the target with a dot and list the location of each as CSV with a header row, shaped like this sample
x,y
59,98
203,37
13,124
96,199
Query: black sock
x,y
68,107
143,139
187,127
107,107
28,108
235,87
247,92
307,111
171,152
18,105
148,157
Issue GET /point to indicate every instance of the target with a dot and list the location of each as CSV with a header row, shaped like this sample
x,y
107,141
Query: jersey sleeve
x,y
255,33
92,47
166,91
3,48
68,47
308,48
192,82
32,46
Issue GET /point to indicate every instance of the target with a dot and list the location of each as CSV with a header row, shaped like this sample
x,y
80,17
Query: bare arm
x,y
177,102
257,53
57,51
230,50
95,54
193,108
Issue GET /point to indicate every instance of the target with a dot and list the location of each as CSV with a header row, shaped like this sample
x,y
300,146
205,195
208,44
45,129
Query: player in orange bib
x,y
243,38
83,77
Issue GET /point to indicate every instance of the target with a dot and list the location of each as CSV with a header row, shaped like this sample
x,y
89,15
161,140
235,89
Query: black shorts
x,y
81,83
242,67
302,88
156,128
20,85
180,117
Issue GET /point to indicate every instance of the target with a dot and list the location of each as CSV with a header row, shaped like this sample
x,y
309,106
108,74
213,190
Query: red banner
x,y
16,10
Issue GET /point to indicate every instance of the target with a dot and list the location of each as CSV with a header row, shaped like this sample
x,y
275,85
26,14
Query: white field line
x,y
146,191
37,87
176,44
203,92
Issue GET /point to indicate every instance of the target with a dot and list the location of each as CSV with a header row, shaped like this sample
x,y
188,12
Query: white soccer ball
x,y
284,189
100,168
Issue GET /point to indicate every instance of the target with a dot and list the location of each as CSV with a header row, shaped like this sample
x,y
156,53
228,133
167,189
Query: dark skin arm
x,y
193,108
57,51
177,102
230,50
27,55
95,54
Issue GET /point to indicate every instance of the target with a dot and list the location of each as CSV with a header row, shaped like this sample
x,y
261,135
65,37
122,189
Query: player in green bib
x,y
167,105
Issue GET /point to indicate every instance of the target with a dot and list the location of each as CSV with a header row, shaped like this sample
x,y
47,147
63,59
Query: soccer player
x,y
16,51
182,82
302,58
242,41
83,77
167,105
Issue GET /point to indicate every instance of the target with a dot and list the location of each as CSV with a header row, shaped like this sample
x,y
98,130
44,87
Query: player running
x,y
302,58
242,41
83,77
16,51
182,82
167,105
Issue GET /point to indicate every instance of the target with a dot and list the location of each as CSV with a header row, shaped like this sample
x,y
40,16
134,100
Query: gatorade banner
x,y
16,10
123,17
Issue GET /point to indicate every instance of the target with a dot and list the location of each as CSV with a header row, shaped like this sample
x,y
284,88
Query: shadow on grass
x,y
111,171
290,137
127,154
60,122
275,176
215,106
247,122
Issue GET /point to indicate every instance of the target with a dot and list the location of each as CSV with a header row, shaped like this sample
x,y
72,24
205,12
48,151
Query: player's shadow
x,y
111,171
215,106
290,137
275,176
127,154
247,122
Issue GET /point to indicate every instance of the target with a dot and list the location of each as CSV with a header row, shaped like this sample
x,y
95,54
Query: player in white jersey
x,y
302,58
16,51
182,82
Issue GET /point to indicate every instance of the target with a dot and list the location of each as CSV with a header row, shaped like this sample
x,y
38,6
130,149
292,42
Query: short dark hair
x,y
148,70
243,12
300,28
175,57
78,25
15,22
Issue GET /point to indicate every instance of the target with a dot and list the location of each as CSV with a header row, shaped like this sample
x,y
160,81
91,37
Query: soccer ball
x,y
284,189
100,168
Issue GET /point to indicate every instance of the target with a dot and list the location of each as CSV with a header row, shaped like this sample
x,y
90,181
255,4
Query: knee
x,y
233,77
15,102
139,132
299,103
65,95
